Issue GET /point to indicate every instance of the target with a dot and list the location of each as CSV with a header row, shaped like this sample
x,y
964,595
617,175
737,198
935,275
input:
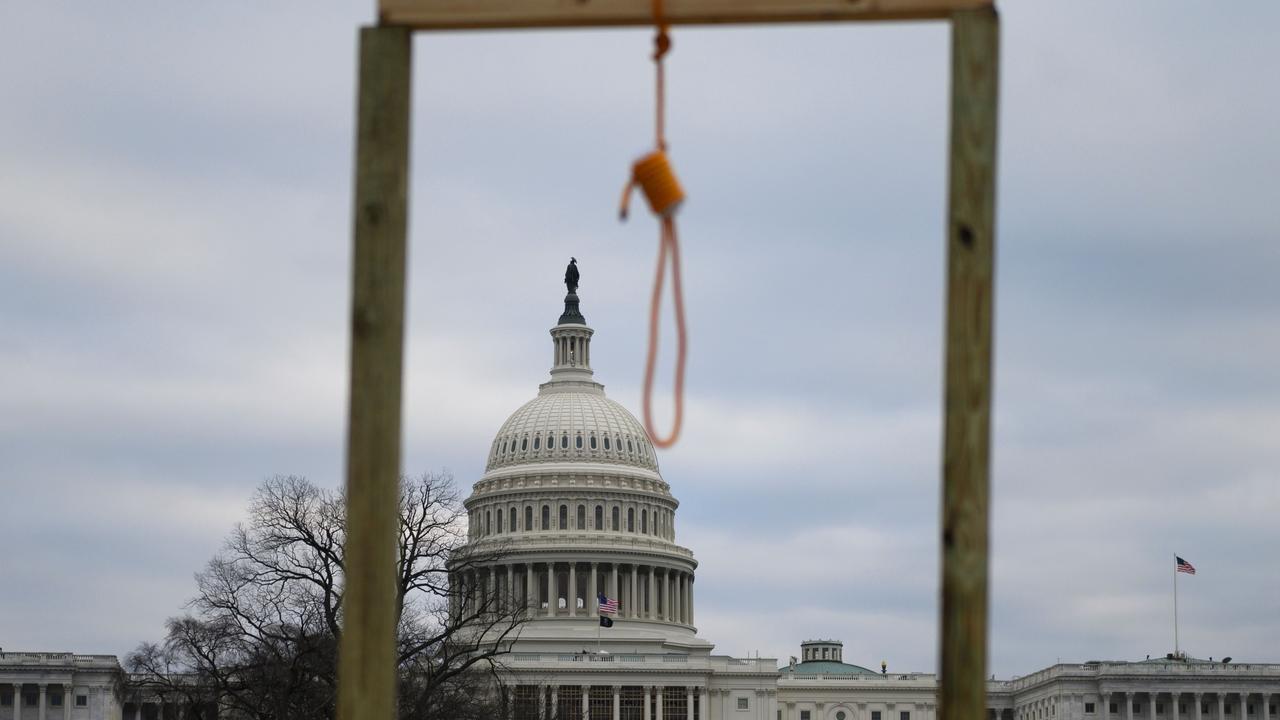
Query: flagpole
x,y
1176,654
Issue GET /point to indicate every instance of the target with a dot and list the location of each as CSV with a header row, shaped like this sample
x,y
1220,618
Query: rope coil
x,y
656,178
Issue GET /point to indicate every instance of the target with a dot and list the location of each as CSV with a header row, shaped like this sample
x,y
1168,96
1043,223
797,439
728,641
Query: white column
x,y
586,702
572,600
1266,706
1128,706
530,586
634,610
553,592
648,693
137,710
688,702
17,701
1244,706
592,598
555,701
43,695
653,604
617,692
704,705
67,696
513,600
1222,706
657,713
613,586
1197,709
1174,697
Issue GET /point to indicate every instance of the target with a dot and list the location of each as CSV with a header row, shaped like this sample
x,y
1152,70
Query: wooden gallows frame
x,y
367,672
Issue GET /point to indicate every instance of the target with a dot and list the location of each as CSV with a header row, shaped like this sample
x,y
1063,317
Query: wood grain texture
x,y
967,403
367,651
495,14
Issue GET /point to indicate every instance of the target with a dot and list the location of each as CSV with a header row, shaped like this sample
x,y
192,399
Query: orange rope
x,y
669,246
655,177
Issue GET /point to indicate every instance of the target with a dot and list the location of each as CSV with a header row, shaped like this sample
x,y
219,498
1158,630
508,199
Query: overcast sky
x,y
175,191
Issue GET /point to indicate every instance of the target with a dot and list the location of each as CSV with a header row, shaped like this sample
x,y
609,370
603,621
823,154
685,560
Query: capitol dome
x,y
571,426
571,507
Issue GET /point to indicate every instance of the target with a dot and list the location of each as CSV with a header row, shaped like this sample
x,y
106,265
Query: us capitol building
x,y
573,496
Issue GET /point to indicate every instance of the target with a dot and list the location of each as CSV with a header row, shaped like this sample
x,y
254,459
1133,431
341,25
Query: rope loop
x,y
655,177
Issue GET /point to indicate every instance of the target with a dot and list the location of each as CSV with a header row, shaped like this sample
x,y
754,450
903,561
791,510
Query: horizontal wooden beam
x,y
505,14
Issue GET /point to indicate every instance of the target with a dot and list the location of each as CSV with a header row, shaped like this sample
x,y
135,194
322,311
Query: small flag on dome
x,y
607,605
1184,566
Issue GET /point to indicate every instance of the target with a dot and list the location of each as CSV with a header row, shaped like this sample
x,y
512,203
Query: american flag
x,y
608,606
1184,566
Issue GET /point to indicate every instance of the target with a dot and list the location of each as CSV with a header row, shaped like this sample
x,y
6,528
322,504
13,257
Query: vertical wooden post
x,y
967,435
366,654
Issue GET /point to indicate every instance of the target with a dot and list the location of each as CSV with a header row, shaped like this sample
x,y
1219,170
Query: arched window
x,y
564,442
629,447
631,519
615,518
488,522
537,441
564,518
582,517
524,444
512,523
504,447
499,520
593,442
577,442
644,522
546,517
599,517
606,442
528,518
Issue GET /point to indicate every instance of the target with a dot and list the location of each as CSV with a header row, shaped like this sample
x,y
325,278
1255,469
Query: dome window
x,y
499,526
524,444
504,447
593,442
564,442
546,517
615,510
644,522
488,522
511,526
631,520
537,441
564,518
528,519
629,448
582,517
578,442
606,442
599,517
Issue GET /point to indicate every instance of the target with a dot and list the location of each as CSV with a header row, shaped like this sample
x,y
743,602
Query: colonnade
x,y
1241,704
61,701
562,702
643,591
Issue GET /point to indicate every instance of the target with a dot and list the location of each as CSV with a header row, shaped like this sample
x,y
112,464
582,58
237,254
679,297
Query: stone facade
x,y
59,686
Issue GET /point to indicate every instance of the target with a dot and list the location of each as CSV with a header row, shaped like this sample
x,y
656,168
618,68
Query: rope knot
x,y
661,44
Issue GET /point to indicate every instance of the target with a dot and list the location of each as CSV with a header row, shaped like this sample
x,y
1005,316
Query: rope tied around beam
x,y
655,177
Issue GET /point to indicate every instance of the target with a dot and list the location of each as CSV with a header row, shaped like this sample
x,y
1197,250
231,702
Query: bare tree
x,y
262,635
